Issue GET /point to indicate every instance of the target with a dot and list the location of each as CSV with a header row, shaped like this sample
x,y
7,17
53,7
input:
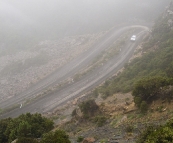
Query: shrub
x,y
100,120
28,126
129,128
58,136
157,134
137,101
74,113
151,88
80,139
88,108
26,140
106,93
144,107
95,93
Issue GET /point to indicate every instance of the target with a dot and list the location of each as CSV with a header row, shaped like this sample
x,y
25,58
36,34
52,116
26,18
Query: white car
x,y
133,38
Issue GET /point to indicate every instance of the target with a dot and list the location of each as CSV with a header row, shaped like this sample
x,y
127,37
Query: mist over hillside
x,y
25,23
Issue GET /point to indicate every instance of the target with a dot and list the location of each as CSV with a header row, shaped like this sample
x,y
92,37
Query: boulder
x,y
14,141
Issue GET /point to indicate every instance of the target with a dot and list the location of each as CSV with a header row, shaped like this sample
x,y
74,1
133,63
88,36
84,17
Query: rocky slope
x,y
18,71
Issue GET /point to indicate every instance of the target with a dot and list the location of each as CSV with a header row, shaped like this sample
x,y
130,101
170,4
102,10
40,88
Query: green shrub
x,y
74,113
58,136
80,139
88,108
95,93
151,88
157,134
28,126
26,140
106,93
100,120
144,107
129,128
137,101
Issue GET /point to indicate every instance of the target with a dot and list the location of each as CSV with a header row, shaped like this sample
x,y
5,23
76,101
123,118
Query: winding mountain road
x,y
85,83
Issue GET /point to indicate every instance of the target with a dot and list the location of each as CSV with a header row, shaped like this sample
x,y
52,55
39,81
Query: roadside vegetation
x,y
157,60
149,78
150,89
89,112
157,134
154,63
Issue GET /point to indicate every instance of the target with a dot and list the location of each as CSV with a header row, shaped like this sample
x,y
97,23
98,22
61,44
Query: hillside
x,y
120,109
21,70
124,104
155,57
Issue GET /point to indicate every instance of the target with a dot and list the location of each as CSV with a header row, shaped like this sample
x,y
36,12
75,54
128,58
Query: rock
x,y
164,109
89,140
124,118
75,101
78,112
128,103
14,141
125,108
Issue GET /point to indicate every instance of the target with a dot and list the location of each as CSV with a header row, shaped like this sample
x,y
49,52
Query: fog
x,y
40,26
24,23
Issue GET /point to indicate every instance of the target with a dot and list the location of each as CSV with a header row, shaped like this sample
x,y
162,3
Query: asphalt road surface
x,y
87,82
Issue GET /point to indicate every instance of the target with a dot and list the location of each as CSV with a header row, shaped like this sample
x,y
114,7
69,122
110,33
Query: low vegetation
x,y
150,89
87,114
80,139
88,108
29,128
55,137
149,78
157,60
157,134
100,120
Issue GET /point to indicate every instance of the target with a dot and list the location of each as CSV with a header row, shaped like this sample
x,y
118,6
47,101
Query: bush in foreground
x,y
157,134
28,126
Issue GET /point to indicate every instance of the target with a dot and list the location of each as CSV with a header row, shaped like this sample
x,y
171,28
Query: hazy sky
x,y
54,18
65,11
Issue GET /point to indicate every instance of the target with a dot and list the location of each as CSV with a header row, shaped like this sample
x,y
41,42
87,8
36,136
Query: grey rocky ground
x,y
20,70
